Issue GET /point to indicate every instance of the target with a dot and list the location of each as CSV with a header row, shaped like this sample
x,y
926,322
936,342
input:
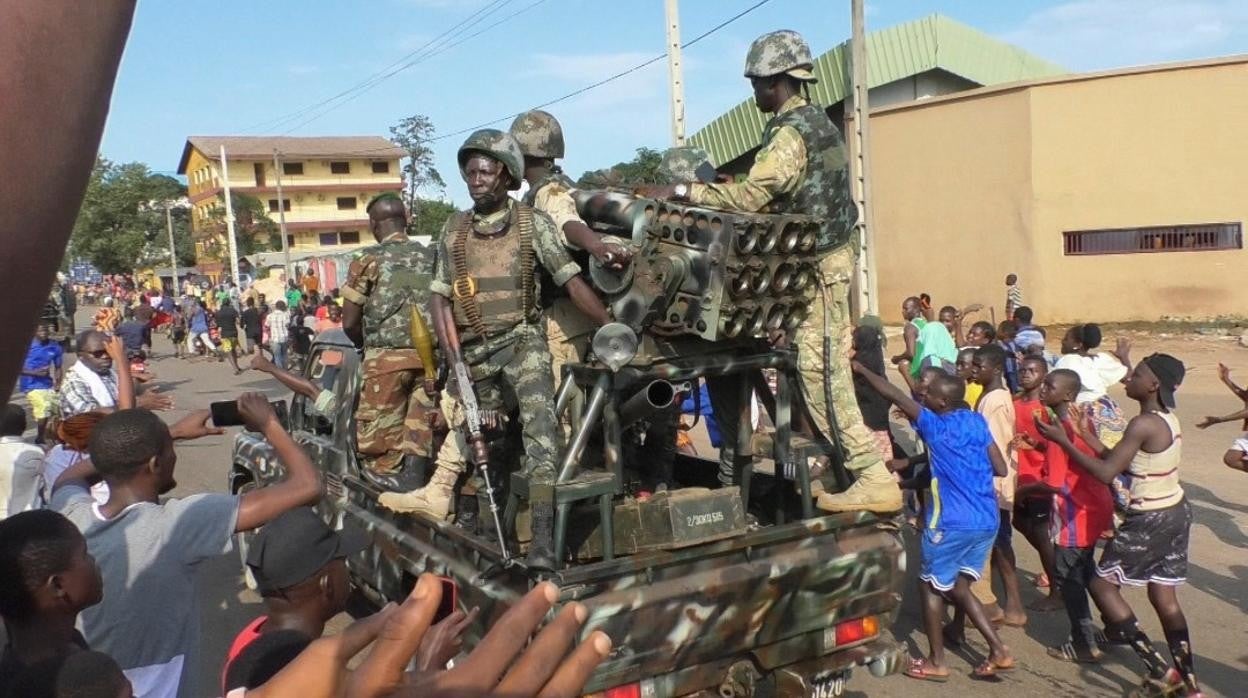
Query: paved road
x,y
1216,599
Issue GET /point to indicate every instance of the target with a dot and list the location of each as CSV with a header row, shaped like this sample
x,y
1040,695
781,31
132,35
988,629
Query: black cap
x,y
292,547
1169,372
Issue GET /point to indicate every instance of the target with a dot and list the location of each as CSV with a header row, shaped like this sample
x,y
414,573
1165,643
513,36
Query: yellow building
x,y
1114,196
326,183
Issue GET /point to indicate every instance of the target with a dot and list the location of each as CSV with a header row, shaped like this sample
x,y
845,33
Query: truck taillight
x,y
632,690
856,630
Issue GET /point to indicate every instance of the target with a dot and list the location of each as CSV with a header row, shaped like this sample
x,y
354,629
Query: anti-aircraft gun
x,y
705,291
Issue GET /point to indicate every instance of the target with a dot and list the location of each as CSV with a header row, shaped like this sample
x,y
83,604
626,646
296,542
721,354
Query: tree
x,y
428,216
642,169
122,219
413,134
254,231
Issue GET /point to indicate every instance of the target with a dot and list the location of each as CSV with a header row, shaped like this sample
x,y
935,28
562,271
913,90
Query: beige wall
x,y
967,189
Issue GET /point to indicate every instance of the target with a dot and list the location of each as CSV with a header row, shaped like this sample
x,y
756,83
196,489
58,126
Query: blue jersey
x,y
37,357
962,494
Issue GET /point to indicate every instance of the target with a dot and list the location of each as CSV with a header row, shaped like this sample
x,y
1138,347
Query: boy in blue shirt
x,y
962,519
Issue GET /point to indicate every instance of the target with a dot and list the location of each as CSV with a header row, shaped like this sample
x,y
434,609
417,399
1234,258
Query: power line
x,y
435,52
617,76
479,14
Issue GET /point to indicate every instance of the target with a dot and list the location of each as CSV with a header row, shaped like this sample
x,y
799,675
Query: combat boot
x,y
875,490
433,500
541,548
466,512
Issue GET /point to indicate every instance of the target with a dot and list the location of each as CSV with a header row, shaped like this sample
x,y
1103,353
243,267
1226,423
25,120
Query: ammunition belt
x,y
464,288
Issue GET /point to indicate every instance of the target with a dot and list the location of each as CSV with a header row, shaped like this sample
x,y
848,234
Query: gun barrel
x,y
655,396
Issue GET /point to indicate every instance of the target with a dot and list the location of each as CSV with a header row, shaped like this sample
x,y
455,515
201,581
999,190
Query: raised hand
x,y
154,400
256,411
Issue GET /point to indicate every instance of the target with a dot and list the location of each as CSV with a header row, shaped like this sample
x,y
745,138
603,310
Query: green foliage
x,y
122,219
428,216
253,229
642,169
413,135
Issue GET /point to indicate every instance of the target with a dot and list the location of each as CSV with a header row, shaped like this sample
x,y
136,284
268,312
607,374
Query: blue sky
x,y
238,66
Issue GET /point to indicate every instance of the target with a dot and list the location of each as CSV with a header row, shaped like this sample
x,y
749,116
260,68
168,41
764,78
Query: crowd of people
x,y
1012,437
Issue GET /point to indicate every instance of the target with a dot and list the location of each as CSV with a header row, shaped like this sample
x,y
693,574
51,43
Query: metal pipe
x,y
650,399
590,422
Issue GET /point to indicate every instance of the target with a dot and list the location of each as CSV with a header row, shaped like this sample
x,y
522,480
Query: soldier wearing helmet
x,y
384,282
801,167
485,289
550,191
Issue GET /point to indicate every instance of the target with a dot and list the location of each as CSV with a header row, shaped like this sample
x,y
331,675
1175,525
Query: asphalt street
x,y
1215,599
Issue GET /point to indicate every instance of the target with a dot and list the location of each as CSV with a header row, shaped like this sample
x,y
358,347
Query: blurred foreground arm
x,y
59,60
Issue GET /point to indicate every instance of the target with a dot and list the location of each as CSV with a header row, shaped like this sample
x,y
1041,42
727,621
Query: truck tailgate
x,y
767,597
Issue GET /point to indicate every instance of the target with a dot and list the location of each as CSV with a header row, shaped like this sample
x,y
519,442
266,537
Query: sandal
x,y
989,669
1042,581
920,669
1067,652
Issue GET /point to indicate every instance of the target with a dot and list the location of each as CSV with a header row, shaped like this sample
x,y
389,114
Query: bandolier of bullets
x,y
705,272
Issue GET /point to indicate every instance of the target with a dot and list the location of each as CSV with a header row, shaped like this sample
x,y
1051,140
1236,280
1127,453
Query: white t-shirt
x,y
60,459
1096,372
148,556
20,464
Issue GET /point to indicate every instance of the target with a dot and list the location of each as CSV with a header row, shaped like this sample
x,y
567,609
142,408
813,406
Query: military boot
x,y
466,512
434,499
541,548
875,490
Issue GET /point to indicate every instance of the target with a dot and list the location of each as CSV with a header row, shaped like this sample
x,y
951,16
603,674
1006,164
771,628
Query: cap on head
x,y
291,548
783,51
1169,372
498,145
681,164
539,134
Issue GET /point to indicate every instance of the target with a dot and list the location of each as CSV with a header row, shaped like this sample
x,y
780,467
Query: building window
x,y
340,168
292,168
285,205
329,239
350,237
382,167
346,203
1164,238
290,240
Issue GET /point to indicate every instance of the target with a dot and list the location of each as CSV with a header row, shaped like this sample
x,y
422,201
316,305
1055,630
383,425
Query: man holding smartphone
x,y
149,550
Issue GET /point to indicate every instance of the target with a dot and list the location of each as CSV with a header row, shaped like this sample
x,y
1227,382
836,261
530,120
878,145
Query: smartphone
x,y
450,598
226,414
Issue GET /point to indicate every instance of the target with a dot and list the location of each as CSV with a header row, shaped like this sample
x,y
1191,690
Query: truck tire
x,y
243,539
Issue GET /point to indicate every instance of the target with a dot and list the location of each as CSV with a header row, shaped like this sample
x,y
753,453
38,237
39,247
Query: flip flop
x,y
989,669
1042,581
1067,652
921,670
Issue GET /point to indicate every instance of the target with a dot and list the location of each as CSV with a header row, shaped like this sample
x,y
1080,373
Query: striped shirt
x,y
277,322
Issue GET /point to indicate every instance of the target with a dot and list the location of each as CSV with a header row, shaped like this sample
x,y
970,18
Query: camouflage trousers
x,y
836,269
515,371
394,417
567,335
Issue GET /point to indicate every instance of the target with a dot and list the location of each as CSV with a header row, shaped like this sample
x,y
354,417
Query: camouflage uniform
x,y
567,329
394,415
802,168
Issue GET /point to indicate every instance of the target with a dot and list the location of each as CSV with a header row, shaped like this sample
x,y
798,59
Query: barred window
x,y
1162,238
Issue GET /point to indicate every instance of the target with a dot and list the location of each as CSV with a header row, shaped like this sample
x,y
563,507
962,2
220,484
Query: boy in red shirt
x,y
1031,513
1083,509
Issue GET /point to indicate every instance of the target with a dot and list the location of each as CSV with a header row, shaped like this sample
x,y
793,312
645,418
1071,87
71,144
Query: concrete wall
x,y
969,188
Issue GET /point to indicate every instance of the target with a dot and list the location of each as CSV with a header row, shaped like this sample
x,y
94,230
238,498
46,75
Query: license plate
x,y
829,685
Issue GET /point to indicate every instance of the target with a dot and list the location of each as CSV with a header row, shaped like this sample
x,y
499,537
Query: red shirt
x,y
244,638
1030,459
1083,504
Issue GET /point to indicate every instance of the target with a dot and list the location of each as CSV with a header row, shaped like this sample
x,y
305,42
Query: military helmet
x,y
783,51
539,134
498,145
681,164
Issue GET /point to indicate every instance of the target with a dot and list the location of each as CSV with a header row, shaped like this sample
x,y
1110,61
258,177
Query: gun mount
x,y
704,272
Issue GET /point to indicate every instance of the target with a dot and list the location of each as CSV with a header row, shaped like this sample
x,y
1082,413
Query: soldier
x,y
801,168
385,282
485,289
550,191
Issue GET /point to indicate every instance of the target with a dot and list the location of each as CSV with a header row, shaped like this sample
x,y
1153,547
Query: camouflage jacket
x,y
552,195
386,280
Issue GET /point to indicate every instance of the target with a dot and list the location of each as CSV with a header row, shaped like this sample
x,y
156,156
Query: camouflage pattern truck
x,y
715,603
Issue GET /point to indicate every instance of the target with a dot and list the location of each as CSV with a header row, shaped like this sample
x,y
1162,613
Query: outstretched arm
x,y
1233,417
890,392
1110,464
297,383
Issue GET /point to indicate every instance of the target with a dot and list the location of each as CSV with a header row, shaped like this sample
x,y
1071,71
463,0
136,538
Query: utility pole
x,y
674,72
229,218
860,165
173,254
281,213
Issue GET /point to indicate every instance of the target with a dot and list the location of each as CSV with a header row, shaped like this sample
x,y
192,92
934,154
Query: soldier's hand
x,y
256,411
613,256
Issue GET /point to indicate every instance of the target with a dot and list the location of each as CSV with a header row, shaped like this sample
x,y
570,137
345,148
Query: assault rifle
x,y
476,439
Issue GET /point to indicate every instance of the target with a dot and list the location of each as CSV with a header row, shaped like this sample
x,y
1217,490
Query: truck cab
x,y
787,609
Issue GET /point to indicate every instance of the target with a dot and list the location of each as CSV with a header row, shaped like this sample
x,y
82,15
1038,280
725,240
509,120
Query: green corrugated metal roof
x,y
893,54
